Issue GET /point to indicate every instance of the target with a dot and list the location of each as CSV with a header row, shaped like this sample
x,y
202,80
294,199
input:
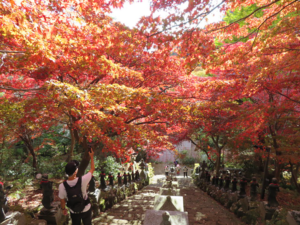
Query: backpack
x,y
76,202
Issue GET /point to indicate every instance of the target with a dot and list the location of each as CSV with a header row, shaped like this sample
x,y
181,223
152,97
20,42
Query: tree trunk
x,y
28,144
278,169
294,178
2,150
218,163
71,151
85,160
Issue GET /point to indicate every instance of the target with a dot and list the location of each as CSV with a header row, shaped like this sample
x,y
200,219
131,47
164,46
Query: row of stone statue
x,y
224,183
122,180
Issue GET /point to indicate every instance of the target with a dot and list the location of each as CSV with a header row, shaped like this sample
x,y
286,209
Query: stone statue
x,y
102,180
46,186
234,183
208,177
217,181
243,184
221,182
227,183
92,185
111,179
213,180
119,179
169,184
132,176
273,189
125,179
253,189
129,177
137,175
47,194
43,180
2,203
166,219
204,165
197,170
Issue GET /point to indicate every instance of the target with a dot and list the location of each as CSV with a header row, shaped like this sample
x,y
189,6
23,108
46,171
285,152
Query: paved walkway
x,y
201,208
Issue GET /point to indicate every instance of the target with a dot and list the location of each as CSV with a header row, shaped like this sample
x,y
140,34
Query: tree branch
x,y
239,20
21,89
194,143
11,52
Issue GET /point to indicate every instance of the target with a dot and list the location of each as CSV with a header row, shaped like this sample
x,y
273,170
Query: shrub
x,y
110,165
188,160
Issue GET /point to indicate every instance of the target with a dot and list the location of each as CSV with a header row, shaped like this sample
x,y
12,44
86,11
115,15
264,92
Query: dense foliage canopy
x,y
68,63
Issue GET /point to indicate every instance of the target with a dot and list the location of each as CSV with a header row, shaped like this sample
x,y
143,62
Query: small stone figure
x,y
111,179
221,182
43,180
253,189
133,176
206,173
125,179
234,183
166,219
204,165
129,177
208,177
47,195
197,170
273,189
227,183
46,186
217,181
2,203
119,179
213,180
243,184
137,175
92,185
102,181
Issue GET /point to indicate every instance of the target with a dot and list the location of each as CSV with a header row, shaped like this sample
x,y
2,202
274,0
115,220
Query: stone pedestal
x,y
95,199
266,212
15,218
155,217
293,217
169,191
253,204
169,203
234,197
170,184
38,222
53,215
245,204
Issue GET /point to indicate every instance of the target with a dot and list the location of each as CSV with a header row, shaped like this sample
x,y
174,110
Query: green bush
x,y
54,167
110,165
15,168
188,160
287,186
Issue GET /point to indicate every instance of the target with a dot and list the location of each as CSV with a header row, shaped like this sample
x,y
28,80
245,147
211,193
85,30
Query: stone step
x,y
131,210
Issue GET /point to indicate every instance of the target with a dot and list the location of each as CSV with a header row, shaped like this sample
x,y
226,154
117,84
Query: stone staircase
x,y
201,208
131,210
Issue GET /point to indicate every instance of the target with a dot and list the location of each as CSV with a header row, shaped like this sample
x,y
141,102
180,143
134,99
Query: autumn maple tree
x,y
251,59
67,62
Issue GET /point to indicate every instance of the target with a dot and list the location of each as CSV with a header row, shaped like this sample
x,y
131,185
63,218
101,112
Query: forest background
x,y
71,78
